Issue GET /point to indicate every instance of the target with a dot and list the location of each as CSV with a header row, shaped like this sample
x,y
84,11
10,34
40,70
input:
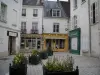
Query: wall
x,y
95,35
83,22
48,24
12,24
29,17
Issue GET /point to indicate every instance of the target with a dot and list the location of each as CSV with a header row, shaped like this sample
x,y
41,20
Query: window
x,y
34,25
75,4
56,27
14,20
3,17
94,13
56,13
23,12
23,25
75,22
35,12
62,44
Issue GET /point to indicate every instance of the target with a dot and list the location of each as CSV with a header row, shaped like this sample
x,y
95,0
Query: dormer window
x,y
56,13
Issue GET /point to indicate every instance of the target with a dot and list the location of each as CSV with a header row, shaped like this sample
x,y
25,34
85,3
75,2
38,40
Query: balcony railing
x,y
34,31
23,31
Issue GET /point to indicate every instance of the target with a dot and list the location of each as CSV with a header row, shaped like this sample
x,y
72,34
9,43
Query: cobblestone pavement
x,y
87,65
4,64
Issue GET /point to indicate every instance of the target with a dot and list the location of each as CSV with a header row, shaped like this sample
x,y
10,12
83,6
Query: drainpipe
x,y
89,27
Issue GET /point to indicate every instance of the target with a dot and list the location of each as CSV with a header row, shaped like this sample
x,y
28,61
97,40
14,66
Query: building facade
x,y
47,27
55,23
10,11
95,27
31,24
85,17
79,27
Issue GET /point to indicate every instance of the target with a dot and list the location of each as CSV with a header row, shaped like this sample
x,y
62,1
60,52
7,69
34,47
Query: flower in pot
x,y
19,65
55,66
34,58
43,54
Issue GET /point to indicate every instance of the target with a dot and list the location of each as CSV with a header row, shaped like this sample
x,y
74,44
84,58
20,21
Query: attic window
x,y
56,13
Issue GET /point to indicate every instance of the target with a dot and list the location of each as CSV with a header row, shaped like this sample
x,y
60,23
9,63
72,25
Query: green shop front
x,y
75,41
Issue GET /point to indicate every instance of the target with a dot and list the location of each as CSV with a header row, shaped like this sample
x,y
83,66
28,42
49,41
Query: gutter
x,y
89,27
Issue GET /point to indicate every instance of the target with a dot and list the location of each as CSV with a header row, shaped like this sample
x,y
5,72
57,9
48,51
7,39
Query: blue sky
x,y
56,0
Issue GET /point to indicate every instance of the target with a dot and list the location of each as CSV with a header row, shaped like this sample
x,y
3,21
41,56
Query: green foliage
x,y
54,64
18,59
35,52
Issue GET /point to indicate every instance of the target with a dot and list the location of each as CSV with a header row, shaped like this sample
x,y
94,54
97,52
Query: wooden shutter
x,y
91,14
96,12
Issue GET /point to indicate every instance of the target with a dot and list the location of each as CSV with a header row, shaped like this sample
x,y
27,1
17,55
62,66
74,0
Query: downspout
x,y
89,27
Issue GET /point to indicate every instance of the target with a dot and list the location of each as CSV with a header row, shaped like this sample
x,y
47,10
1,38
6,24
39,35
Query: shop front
x,y
74,41
31,41
58,42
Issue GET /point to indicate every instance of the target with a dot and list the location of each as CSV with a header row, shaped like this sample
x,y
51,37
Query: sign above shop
x,y
10,33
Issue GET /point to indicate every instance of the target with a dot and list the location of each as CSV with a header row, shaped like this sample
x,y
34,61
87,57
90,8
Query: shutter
x,y
0,10
91,14
96,12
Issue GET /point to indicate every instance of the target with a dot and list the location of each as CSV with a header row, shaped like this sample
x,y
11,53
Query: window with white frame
x,y
35,12
94,13
56,13
75,22
23,12
56,27
34,25
3,17
23,25
75,3
14,20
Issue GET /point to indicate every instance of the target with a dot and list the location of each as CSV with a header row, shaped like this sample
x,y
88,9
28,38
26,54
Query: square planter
x,y
47,72
34,60
20,69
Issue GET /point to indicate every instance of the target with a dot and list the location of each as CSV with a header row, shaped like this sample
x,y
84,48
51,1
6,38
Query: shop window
x,y
62,43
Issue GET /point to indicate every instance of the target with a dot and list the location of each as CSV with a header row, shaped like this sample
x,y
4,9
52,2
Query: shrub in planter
x,y
50,51
43,54
34,58
56,66
18,66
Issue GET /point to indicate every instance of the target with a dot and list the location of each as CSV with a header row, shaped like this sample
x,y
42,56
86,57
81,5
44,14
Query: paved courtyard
x,y
87,65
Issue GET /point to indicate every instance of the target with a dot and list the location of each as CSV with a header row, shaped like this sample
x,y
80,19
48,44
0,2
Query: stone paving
x,y
87,65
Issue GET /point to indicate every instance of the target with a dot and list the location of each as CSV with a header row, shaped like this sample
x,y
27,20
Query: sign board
x,y
10,33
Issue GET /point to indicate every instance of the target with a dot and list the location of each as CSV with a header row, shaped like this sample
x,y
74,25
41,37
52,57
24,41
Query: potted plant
x,y
43,54
18,66
50,51
56,66
34,58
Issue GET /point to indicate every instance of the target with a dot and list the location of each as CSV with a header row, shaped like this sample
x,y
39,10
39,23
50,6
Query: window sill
x,y
16,1
14,25
94,23
83,2
4,21
75,8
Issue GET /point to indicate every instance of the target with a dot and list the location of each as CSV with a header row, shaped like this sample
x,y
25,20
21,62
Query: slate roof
x,y
49,5
66,7
31,2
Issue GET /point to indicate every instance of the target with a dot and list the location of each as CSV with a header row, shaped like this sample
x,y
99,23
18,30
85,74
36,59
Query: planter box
x,y
46,72
34,60
18,69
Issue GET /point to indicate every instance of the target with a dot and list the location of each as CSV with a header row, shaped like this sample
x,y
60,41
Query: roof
x,y
66,7
49,5
32,2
